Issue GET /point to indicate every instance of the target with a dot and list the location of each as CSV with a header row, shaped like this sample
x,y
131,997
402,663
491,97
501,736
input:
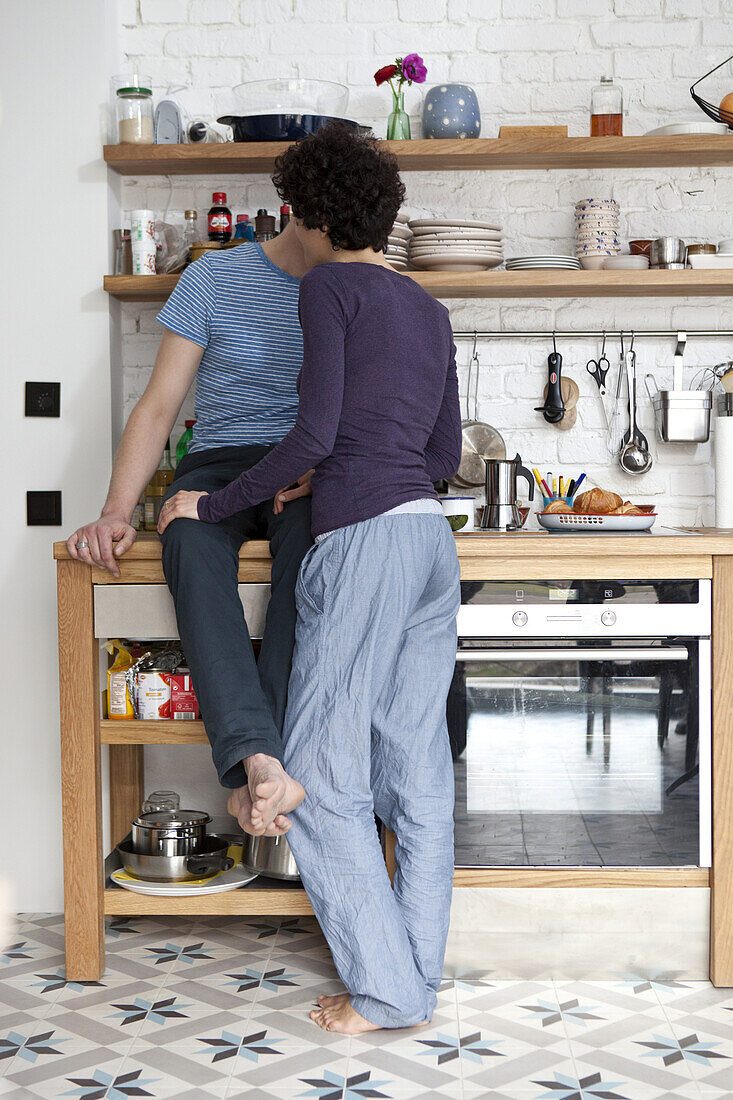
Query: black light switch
x,y
43,399
43,509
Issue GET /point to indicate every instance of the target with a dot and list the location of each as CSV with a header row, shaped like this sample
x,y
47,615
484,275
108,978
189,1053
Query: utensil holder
x,y
557,496
682,416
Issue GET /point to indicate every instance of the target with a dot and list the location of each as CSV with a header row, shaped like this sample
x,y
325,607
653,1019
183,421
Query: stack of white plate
x,y
542,263
452,245
596,231
399,242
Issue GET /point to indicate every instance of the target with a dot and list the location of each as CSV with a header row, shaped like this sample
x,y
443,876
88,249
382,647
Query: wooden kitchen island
x,y
521,556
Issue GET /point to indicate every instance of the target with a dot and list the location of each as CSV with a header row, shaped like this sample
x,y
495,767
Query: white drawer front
x,y
146,610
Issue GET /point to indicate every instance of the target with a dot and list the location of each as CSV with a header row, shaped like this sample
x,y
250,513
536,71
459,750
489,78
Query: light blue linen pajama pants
x,y
365,731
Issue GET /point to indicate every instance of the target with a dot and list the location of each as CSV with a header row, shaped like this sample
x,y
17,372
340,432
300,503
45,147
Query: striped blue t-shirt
x,y
243,310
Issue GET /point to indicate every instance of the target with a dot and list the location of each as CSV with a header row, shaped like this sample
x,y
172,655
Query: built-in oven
x,y
580,724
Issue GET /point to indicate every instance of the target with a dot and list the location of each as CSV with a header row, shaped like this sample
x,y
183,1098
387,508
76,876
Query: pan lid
x,y
480,441
172,819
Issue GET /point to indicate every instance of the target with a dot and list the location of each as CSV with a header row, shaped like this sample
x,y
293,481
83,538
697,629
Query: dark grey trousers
x,y
242,702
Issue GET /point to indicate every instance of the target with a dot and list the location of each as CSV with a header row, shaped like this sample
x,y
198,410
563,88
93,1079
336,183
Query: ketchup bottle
x,y
220,219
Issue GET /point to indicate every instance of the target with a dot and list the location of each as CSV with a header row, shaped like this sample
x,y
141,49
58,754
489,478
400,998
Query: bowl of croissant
x,y
597,510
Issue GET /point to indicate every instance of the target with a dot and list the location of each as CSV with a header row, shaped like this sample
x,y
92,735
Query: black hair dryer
x,y
553,409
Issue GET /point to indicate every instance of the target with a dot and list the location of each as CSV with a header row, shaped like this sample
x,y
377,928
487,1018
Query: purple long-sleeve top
x,y
379,416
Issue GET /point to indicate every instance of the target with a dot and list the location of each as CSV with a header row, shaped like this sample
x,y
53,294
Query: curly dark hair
x,y
343,180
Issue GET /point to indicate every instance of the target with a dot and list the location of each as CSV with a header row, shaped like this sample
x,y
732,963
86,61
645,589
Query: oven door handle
x,y
628,653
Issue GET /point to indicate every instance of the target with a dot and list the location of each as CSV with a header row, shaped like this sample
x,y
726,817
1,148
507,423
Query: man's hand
x,y
181,506
299,488
93,542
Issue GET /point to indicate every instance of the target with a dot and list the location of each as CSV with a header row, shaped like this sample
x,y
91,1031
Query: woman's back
x,y
383,351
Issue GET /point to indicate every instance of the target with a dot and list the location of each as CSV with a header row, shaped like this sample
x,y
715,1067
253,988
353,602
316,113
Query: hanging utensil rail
x,y
587,334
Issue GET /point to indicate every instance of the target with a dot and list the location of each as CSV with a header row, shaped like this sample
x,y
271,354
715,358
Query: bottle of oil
x,y
156,490
606,109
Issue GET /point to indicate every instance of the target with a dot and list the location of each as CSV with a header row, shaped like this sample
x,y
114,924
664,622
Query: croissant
x,y
629,509
597,502
558,506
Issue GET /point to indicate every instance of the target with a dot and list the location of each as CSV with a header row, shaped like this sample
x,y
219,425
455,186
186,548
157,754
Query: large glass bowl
x,y
291,97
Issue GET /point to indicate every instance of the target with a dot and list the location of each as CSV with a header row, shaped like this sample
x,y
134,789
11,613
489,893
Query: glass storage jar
x,y
135,115
606,109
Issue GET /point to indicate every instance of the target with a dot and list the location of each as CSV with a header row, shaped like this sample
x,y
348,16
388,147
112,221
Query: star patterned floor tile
x,y
314,1072
99,1079
218,1007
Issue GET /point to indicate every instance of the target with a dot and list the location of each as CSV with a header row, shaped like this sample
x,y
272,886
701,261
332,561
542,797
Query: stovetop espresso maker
x,y
502,511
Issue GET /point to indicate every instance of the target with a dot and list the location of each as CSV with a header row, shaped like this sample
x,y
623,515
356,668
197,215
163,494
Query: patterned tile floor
x,y
219,1008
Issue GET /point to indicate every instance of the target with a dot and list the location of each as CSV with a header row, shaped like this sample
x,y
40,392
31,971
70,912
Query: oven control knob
x,y
608,618
519,618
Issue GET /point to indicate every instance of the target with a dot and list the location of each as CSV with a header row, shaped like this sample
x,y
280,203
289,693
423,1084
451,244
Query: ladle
x,y
634,457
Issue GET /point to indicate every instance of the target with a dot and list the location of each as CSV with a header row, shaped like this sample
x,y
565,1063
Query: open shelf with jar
x,y
655,282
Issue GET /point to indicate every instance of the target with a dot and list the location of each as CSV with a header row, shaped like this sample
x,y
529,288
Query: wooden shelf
x,y
134,731
500,284
266,896
524,153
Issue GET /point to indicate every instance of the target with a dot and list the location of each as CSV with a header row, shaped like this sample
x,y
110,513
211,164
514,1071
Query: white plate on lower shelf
x,y
580,521
457,261
456,234
214,884
449,223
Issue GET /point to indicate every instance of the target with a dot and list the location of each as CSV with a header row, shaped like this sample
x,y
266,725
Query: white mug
x,y
460,506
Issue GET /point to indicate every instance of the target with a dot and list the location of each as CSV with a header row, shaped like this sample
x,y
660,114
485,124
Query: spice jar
x,y
135,115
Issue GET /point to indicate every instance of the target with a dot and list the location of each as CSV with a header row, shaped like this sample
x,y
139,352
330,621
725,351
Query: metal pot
x,y
270,856
665,251
211,857
170,833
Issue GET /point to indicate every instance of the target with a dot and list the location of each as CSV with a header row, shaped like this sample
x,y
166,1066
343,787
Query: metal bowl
x,y
667,250
211,857
269,856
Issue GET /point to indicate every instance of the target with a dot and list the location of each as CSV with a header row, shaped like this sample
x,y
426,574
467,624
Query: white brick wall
x,y
530,61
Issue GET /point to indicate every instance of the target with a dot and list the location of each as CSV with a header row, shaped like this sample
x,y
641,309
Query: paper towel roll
x,y
723,444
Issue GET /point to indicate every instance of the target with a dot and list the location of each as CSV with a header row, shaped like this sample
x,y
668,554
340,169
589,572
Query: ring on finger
x,y
82,545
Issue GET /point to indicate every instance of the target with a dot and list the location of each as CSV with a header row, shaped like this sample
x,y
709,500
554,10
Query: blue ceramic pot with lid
x,y
451,111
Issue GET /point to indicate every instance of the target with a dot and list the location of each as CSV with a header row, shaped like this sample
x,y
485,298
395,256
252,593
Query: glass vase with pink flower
x,y
404,70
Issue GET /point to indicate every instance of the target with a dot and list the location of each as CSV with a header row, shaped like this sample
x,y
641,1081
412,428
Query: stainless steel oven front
x,y
580,723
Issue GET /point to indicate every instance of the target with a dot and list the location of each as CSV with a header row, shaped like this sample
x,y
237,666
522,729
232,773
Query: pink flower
x,y
413,69
385,73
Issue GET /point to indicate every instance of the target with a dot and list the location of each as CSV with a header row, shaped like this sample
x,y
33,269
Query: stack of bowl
x,y
596,231
398,242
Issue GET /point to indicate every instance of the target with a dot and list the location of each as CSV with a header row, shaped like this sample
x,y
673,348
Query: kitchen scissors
x,y
599,368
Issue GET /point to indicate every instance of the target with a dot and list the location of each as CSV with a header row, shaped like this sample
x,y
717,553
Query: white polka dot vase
x,y
451,111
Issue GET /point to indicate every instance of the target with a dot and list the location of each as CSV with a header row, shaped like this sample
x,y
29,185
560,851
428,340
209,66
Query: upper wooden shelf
x,y
500,284
688,150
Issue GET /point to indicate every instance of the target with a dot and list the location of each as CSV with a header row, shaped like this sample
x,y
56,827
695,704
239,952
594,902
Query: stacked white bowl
x,y
596,231
399,241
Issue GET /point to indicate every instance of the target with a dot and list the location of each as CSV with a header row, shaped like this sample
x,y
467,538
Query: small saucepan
x,y
169,833
210,858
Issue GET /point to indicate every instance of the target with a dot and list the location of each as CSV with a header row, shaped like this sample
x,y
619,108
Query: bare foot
x,y
329,1002
341,1018
239,805
272,790
336,1014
